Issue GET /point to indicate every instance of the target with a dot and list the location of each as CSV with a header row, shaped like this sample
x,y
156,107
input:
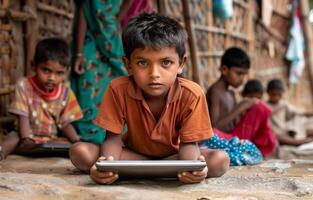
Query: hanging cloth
x,y
295,51
223,8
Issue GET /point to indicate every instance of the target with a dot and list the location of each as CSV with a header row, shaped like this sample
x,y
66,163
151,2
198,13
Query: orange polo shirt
x,y
185,117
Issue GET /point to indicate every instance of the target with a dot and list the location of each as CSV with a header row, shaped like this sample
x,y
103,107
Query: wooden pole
x,y
161,7
250,34
308,35
30,36
191,41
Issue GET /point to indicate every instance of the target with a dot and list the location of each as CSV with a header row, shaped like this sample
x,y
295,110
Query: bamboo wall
x,y
266,45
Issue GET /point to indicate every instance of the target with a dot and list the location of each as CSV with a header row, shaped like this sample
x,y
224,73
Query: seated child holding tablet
x,y
43,103
166,116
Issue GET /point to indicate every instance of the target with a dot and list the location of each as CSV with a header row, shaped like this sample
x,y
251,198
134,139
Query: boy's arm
x,y
188,151
112,146
111,149
213,98
240,108
70,133
26,142
24,127
191,151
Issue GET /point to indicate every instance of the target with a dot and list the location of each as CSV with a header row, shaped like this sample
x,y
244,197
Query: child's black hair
x,y
275,84
252,86
155,31
235,57
54,49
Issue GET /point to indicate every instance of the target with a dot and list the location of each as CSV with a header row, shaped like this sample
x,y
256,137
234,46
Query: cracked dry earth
x,y
56,178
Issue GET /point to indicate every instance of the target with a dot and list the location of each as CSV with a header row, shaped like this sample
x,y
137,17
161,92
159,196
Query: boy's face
x,y
154,71
274,96
234,76
50,74
254,95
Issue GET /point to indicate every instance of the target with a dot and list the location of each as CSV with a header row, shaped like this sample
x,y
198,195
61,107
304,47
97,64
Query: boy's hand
x,y
102,177
248,102
26,144
195,176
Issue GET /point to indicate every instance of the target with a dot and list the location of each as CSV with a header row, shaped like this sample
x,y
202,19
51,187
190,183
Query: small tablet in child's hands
x,y
150,168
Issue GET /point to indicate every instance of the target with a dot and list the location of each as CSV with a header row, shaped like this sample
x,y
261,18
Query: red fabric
x,y
49,96
254,126
137,7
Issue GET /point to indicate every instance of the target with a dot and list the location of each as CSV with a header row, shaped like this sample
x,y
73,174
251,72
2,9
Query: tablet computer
x,y
55,146
48,149
150,168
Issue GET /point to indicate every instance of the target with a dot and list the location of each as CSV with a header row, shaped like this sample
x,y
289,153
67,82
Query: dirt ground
x,y
56,178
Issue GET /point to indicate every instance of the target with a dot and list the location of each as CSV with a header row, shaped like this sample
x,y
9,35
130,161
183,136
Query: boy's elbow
x,y
189,151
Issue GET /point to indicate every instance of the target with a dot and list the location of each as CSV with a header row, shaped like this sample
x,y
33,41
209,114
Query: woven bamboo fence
x,y
265,44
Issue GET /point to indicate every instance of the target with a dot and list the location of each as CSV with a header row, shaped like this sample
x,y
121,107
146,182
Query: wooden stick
x,y
7,90
17,15
7,119
191,41
5,27
52,9
161,7
271,32
31,37
308,35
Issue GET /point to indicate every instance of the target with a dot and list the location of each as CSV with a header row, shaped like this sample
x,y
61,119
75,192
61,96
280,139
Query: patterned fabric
x,y
137,7
255,126
240,152
45,117
103,51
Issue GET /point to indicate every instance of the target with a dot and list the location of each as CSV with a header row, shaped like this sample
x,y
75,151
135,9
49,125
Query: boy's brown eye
x,y
141,63
166,62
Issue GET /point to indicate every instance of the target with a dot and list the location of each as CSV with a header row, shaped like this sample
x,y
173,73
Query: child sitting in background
x,y
42,102
282,113
248,119
240,151
166,116
253,89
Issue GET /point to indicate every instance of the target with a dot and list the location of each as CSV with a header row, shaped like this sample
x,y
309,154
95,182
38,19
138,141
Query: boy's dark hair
x,y
54,49
252,86
275,84
155,31
235,57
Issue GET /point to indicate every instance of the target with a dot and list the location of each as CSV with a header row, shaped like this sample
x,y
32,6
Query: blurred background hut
x,y
260,27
